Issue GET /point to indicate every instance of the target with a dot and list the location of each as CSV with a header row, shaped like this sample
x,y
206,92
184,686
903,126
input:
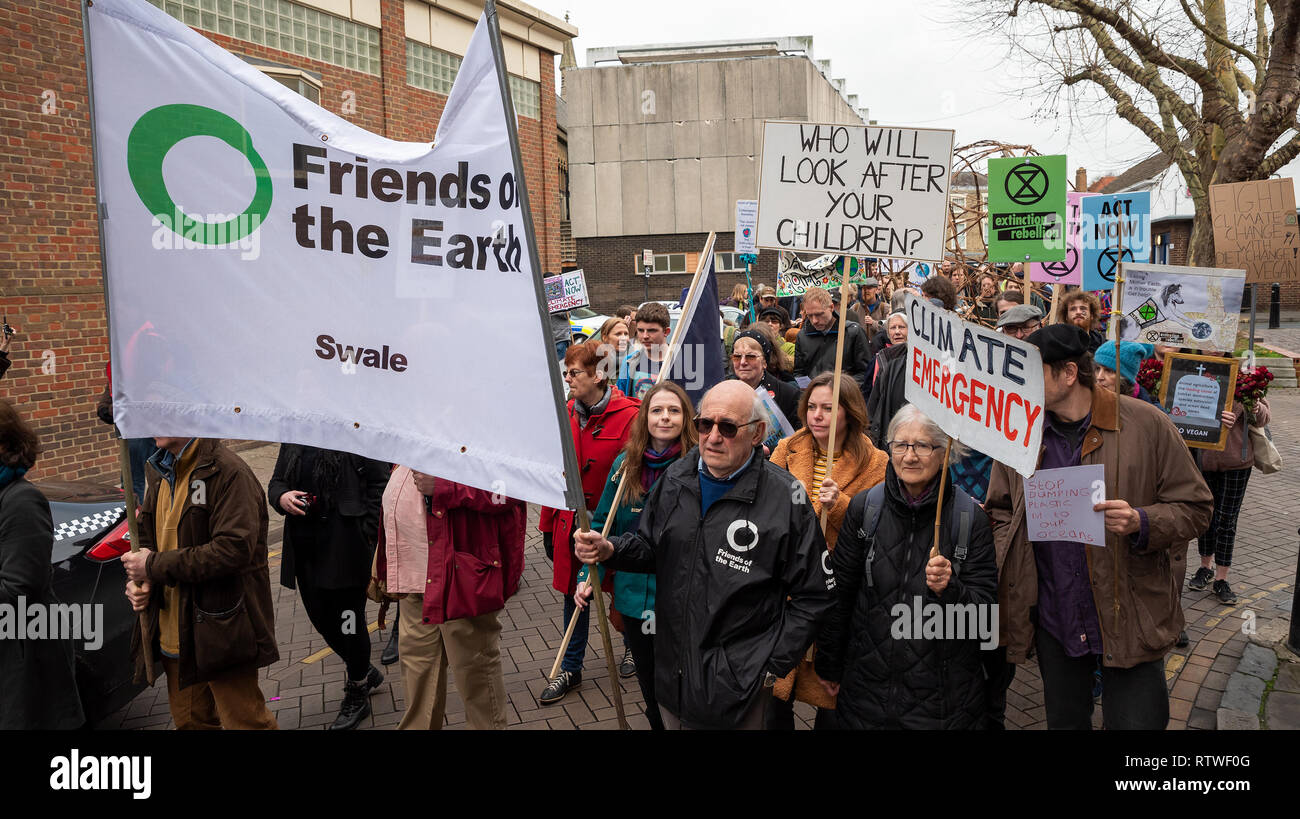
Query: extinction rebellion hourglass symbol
x,y
1030,182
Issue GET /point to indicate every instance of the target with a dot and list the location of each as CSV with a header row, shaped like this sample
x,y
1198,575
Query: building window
x,y
297,81
728,263
664,263
285,26
956,222
527,96
435,70
430,68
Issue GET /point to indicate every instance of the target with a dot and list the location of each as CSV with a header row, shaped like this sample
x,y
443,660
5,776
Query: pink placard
x,y
1070,270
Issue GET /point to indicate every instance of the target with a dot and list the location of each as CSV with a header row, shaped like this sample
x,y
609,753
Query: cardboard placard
x,y
983,388
854,190
1070,269
1100,235
1058,505
1255,229
1027,209
1196,307
1195,390
566,291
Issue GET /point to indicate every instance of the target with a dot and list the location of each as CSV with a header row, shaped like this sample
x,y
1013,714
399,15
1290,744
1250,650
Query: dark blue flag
x,y
698,364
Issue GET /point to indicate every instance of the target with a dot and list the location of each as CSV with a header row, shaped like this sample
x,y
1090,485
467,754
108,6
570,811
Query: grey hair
x,y
910,413
901,314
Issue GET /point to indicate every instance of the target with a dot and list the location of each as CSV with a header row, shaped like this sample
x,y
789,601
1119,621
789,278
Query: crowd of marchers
x,y
750,567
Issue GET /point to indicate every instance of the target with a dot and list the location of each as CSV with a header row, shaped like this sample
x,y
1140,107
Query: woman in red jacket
x,y
600,419
455,554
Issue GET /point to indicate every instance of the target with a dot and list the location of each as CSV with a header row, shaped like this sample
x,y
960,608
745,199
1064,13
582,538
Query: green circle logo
x,y
156,133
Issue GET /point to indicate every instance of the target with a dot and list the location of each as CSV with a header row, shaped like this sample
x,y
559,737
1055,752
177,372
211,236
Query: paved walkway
x,y
306,685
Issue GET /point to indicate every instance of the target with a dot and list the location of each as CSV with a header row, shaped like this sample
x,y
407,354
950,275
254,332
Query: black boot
x,y
390,651
356,706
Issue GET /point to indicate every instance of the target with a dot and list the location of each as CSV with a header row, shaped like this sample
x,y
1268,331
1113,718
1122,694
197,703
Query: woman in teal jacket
x,y
663,431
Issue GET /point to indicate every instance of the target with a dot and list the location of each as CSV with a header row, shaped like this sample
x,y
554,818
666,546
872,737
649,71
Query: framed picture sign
x,y
1195,390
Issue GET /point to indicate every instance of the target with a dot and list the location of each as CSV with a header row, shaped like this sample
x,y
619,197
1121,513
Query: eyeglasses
x,y
726,428
574,373
921,448
746,357
1018,330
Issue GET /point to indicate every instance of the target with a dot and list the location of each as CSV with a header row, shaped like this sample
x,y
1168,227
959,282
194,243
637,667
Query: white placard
x,y
566,291
340,309
1058,505
1195,307
746,225
983,388
854,190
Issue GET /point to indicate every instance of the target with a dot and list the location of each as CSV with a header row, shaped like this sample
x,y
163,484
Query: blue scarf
x,y
8,474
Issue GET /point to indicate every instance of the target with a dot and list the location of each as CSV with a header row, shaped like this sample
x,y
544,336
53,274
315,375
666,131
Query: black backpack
x,y
963,506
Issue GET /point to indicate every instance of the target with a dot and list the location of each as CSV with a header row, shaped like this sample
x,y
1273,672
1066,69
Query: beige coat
x,y
1138,602
797,455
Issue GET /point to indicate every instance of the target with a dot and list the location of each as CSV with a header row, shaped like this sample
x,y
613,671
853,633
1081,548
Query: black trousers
x,y
999,674
1132,698
339,615
642,646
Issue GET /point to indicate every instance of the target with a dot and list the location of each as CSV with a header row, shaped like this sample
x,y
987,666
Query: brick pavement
x,y
306,685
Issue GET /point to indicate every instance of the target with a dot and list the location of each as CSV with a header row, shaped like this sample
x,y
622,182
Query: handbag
x,y
1267,459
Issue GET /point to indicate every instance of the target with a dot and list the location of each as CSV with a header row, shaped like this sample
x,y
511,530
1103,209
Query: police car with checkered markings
x,y
90,535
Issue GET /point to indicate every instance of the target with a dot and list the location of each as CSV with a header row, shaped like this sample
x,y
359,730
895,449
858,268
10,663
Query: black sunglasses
x,y
726,428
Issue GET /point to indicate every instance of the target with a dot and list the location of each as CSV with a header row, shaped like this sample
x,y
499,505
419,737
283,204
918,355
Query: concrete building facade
x,y
386,65
664,139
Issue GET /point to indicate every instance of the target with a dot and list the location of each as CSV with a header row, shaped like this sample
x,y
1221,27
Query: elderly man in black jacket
x,y
741,565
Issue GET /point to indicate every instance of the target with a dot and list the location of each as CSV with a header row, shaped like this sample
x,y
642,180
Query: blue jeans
x,y
560,348
578,645
139,450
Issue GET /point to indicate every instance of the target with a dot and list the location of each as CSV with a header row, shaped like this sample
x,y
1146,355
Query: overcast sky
x,y
906,65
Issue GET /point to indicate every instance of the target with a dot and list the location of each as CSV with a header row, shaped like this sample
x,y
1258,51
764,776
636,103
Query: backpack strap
x,y
870,520
963,506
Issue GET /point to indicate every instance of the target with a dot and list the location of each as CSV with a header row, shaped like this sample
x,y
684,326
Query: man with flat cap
x,y
1080,606
1020,321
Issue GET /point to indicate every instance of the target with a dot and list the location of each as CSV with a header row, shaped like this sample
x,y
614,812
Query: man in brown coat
x,y
201,578
1117,605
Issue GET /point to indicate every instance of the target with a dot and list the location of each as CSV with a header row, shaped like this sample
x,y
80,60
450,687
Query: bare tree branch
x,y
1279,158
1223,41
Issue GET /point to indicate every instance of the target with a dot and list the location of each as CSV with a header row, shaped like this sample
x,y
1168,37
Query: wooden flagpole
x,y
835,386
673,348
123,454
938,509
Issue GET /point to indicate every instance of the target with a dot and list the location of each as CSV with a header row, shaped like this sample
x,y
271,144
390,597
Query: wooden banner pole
x,y
835,385
673,349
938,509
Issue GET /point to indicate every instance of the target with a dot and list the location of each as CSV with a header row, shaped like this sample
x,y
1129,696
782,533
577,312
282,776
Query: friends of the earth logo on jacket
x,y
154,135
742,536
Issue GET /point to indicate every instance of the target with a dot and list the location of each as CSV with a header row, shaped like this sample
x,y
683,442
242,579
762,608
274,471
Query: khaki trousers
x,y
232,702
471,646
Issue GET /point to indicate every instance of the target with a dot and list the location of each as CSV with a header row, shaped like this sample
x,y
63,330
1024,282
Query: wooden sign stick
x,y
618,495
938,509
835,385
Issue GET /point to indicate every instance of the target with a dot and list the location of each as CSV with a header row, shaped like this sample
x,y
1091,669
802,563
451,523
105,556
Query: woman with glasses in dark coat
x,y
888,587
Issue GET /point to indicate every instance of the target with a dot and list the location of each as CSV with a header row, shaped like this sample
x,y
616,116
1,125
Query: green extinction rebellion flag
x,y
1027,209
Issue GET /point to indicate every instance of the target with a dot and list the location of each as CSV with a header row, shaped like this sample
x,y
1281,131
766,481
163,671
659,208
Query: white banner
x,y
1196,307
566,291
853,190
356,300
983,388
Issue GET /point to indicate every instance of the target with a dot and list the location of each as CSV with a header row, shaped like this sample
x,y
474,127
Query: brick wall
x,y
50,281
609,265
